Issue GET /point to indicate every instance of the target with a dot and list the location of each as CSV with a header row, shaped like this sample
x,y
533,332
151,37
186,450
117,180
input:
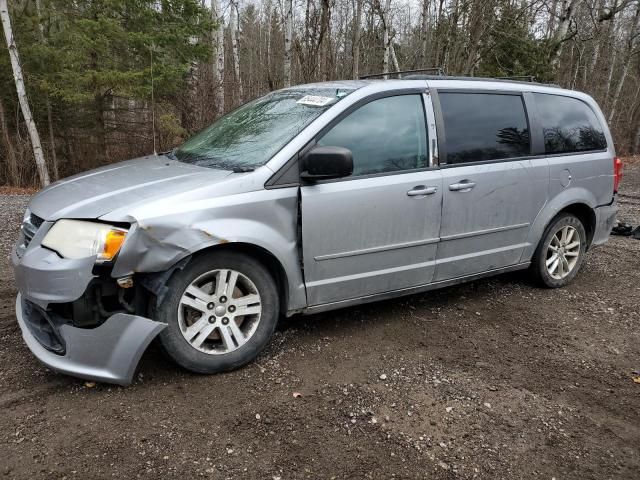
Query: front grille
x,y
29,228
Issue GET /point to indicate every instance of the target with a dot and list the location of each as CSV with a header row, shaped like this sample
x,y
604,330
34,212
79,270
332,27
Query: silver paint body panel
x,y
109,353
339,243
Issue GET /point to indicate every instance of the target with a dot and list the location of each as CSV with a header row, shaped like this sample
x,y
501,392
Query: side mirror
x,y
323,163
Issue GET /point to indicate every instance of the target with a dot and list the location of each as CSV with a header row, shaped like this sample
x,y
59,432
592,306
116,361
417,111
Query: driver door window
x,y
385,135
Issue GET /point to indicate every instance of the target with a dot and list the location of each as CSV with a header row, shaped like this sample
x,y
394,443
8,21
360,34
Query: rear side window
x,y
484,126
569,125
385,135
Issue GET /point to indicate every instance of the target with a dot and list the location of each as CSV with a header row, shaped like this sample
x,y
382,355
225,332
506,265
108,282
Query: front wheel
x,y
561,252
221,311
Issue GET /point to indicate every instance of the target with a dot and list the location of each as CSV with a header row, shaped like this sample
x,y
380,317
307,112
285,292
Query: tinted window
x,y
384,135
569,125
484,126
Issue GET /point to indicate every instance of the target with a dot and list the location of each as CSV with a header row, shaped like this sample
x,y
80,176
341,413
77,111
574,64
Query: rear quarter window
x,y
569,125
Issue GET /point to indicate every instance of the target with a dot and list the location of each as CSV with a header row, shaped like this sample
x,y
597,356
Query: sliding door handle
x,y
421,190
462,186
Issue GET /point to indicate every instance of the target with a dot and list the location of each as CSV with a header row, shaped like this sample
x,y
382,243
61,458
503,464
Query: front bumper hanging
x,y
108,353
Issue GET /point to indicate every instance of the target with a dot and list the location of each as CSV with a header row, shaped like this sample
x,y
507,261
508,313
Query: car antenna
x,y
153,109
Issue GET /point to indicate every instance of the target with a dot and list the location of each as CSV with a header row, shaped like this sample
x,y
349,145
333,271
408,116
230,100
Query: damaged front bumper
x,y
106,352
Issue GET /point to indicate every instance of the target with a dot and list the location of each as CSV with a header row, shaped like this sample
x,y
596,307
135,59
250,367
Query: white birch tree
x,y
218,56
288,38
41,165
357,33
234,30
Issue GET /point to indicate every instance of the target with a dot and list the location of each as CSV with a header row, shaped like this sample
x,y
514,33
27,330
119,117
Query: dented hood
x,y
97,192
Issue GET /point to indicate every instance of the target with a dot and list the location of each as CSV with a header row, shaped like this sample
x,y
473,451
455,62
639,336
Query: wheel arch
x,y
156,283
585,214
261,254
577,201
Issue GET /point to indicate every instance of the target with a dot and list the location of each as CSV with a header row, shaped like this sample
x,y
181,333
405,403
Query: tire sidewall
x,y
176,345
540,258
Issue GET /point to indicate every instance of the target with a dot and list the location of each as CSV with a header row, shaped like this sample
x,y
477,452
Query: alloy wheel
x,y
219,311
563,252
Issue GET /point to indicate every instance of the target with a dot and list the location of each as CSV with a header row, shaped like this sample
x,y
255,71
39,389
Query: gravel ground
x,y
493,379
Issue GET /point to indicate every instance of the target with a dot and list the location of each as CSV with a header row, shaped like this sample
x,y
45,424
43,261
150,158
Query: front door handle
x,y
421,190
463,186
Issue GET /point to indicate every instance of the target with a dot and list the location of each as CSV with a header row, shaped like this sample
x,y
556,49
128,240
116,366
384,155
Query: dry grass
x,y
5,190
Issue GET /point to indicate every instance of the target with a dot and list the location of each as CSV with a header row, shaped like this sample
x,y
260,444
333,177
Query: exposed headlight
x,y
81,239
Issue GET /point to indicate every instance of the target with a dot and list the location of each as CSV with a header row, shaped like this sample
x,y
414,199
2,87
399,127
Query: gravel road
x,y
493,379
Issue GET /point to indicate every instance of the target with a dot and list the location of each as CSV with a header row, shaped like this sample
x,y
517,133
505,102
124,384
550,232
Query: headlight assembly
x,y
81,239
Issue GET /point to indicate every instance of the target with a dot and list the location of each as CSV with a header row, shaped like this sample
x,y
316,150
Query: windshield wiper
x,y
170,154
242,169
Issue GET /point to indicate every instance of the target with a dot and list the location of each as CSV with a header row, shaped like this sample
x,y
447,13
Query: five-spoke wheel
x,y
560,252
220,310
563,252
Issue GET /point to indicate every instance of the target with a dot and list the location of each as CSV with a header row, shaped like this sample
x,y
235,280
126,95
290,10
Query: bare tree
x,y
234,30
629,53
357,35
218,55
386,37
561,34
52,138
424,33
288,38
41,165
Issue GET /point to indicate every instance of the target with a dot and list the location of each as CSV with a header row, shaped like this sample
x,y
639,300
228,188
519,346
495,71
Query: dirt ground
x,y
493,379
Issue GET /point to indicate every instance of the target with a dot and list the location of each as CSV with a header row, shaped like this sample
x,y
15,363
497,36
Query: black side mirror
x,y
323,163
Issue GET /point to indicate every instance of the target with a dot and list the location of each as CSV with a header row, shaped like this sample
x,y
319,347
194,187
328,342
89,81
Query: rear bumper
x,y
605,220
108,353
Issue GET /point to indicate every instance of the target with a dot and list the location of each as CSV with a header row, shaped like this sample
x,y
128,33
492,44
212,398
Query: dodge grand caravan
x,y
309,199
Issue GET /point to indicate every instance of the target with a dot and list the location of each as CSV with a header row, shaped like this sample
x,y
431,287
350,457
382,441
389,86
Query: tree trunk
x,y
217,38
384,16
627,62
288,38
357,34
423,33
52,138
560,36
13,175
234,29
41,165
324,43
394,59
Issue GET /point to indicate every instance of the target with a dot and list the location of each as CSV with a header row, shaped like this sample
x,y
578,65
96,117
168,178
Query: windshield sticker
x,y
315,100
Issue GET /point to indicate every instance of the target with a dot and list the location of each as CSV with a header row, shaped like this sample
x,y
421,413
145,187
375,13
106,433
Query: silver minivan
x,y
309,199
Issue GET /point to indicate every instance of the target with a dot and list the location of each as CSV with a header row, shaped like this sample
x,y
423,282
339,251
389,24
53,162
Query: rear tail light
x,y
617,173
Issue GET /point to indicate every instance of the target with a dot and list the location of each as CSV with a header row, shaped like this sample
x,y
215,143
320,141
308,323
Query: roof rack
x,y
436,71
520,78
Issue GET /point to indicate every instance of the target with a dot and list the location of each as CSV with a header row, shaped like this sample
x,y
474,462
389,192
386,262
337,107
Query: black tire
x,y
172,339
538,266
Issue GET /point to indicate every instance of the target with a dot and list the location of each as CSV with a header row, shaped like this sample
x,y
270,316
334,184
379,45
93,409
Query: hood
x,y
97,192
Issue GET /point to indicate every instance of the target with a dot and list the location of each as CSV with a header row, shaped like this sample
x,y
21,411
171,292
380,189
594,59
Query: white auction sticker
x,y
315,100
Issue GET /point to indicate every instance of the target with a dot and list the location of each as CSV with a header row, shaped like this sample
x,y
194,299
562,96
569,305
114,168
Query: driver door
x,y
377,230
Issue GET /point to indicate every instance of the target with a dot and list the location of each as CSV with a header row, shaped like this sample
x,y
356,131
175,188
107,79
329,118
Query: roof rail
x,y
520,78
437,71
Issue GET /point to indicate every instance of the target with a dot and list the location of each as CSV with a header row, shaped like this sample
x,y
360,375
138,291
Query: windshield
x,y
249,136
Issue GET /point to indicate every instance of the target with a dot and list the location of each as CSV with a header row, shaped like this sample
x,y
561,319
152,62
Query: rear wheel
x,y
221,311
560,253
